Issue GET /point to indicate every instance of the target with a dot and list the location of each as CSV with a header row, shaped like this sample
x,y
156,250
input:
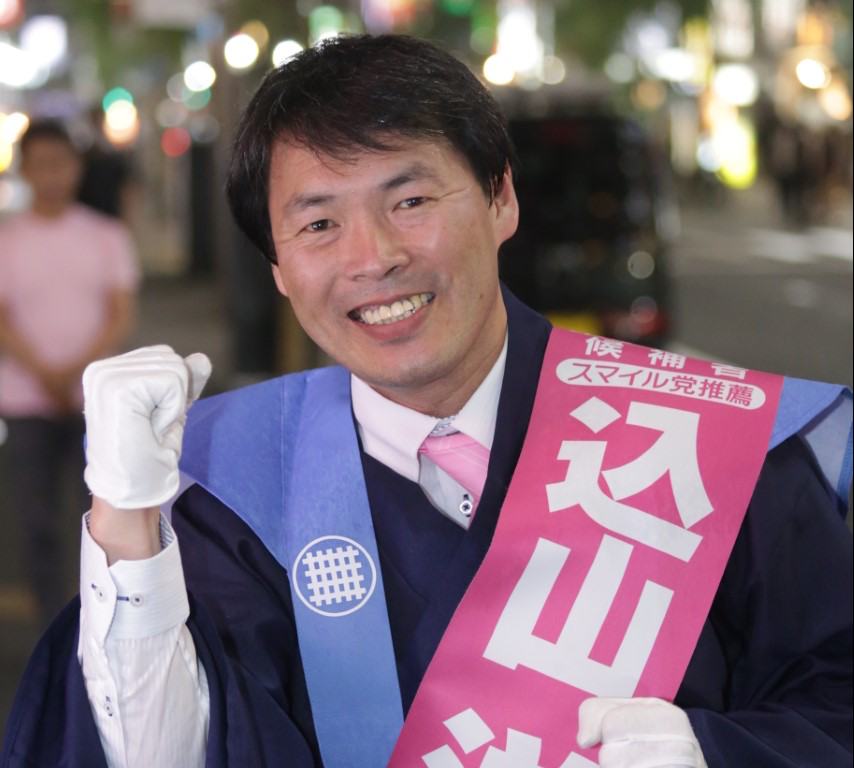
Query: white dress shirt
x,y
148,693
393,433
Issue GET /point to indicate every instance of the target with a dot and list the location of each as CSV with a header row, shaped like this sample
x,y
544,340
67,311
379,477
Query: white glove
x,y
135,406
639,733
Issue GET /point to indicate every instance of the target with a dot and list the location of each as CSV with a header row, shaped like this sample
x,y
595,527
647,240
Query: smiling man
x,y
373,557
389,262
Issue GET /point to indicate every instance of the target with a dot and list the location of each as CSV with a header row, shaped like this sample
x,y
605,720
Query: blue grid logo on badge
x,y
334,576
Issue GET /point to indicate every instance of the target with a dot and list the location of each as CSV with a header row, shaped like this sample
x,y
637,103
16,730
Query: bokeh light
x,y
736,84
114,95
240,51
175,87
175,142
735,142
518,40
812,74
323,22
18,69
120,115
457,7
707,156
620,68
835,100
121,122
6,154
45,38
674,64
554,70
498,70
199,76
196,100
169,113
258,31
641,265
284,51
648,95
482,38
12,126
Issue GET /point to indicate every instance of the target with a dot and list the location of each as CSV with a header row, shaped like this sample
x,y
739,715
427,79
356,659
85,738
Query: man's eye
x,y
320,226
412,202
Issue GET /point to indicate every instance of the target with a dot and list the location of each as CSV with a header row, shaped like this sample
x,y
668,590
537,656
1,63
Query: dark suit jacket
x,y
769,684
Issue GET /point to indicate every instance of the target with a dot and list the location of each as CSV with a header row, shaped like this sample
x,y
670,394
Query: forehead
x,y
295,165
49,147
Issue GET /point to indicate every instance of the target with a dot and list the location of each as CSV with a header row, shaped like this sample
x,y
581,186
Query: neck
x,y
447,395
49,209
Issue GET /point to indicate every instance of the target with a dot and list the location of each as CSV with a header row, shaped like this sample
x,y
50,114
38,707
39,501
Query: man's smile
x,y
386,314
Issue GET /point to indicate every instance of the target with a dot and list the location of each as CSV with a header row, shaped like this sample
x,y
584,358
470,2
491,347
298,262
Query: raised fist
x,y
135,406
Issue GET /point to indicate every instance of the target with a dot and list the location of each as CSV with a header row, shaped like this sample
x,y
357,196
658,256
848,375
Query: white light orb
x,y
241,51
199,76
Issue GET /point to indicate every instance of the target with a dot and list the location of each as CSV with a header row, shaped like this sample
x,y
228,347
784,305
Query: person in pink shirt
x,y
68,276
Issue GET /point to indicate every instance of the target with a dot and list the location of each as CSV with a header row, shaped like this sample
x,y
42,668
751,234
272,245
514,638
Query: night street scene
x,y
684,180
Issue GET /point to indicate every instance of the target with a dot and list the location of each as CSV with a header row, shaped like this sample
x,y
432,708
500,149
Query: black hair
x,y
363,92
46,128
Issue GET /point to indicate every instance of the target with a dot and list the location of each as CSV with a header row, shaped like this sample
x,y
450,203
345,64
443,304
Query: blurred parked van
x,y
597,218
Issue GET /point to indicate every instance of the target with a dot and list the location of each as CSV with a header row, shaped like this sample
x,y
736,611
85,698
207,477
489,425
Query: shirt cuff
x,y
132,599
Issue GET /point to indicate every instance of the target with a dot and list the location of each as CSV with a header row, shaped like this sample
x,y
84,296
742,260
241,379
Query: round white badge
x,y
334,576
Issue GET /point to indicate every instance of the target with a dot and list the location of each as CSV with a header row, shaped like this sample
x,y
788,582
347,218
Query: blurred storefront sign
x,y
733,28
779,21
185,14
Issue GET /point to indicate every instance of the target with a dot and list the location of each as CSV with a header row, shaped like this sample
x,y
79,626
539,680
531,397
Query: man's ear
x,y
506,207
277,276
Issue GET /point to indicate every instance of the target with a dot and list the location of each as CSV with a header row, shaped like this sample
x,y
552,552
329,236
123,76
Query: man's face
x,y
390,263
53,170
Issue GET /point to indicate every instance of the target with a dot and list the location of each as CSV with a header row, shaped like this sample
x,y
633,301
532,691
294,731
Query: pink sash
x,y
635,475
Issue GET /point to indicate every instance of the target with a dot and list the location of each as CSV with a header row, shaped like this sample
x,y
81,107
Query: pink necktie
x,y
463,458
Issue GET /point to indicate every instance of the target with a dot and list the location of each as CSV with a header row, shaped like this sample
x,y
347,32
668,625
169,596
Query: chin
x,y
406,376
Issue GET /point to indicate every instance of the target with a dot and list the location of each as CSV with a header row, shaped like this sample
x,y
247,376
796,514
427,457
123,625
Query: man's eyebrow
x,y
303,201
413,172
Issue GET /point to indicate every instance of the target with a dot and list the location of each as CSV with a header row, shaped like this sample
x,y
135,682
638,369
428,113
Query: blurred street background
x,y
717,222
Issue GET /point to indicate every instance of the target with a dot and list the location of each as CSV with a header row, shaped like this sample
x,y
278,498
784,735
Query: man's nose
x,y
373,247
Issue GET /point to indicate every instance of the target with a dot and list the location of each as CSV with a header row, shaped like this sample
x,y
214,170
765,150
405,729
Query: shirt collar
x,y
392,433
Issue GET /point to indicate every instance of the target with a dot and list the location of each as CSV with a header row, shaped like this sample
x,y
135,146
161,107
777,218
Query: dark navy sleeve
x,y
770,683
241,595
241,620
51,723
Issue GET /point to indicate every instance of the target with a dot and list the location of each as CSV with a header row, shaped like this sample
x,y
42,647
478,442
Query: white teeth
x,y
385,314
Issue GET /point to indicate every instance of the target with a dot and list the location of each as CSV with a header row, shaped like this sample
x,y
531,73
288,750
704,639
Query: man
x,y
67,282
374,174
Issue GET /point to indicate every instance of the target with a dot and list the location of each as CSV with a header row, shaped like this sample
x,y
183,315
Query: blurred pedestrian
x,y
67,281
787,160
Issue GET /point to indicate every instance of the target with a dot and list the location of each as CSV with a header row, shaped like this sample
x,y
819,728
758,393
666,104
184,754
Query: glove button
x,y
136,599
